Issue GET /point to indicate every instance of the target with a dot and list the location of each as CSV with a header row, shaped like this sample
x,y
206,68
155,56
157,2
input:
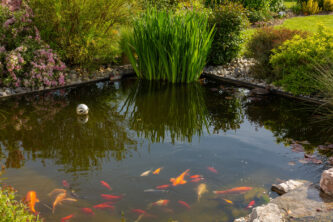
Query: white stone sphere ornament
x,y
82,109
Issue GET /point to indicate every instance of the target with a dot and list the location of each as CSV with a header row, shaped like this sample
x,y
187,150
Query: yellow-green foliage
x,y
84,32
310,7
328,5
295,61
12,210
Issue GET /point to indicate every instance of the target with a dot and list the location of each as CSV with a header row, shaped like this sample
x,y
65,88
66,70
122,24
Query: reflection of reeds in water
x,y
157,110
2,116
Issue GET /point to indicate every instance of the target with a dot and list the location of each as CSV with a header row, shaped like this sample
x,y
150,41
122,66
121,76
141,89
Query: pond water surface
x,y
219,132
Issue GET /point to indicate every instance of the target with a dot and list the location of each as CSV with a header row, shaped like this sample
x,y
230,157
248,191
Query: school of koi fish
x,y
68,194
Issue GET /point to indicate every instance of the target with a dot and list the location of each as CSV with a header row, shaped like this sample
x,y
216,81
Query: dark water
x,y
136,126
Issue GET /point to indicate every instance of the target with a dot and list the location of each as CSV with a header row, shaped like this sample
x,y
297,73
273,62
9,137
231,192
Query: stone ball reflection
x,y
83,119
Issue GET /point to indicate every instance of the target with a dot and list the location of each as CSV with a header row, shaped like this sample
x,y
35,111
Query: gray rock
x,y
326,181
242,219
3,94
260,91
287,186
267,213
20,90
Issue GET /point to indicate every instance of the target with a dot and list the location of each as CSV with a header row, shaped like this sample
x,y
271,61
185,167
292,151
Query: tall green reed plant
x,y
169,46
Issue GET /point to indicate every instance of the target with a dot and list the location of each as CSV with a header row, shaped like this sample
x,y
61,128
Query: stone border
x,y
236,73
113,74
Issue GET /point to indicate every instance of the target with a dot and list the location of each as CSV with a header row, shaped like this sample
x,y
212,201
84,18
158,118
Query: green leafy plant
x,y
12,210
168,46
229,20
261,45
294,61
84,32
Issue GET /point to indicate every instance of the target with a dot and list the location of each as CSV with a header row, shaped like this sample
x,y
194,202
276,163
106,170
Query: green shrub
x,y
328,5
261,45
310,7
277,5
229,20
256,4
170,46
295,61
12,210
84,32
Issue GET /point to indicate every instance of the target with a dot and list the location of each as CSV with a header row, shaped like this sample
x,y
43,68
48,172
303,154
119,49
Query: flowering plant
x,y
25,60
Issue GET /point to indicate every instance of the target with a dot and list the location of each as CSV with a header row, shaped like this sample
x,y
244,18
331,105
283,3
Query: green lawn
x,y
309,23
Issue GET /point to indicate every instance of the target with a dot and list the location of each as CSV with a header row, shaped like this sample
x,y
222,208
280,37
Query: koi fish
x,y
65,184
103,206
202,188
196,176
110,197
87,210
228,201
61,197
57,191
161,203
184,204
157,171
105,184
67,218
163,186
251,204
32,199
153,191
233,190
139,211
180,179
196,180
212,169
146,173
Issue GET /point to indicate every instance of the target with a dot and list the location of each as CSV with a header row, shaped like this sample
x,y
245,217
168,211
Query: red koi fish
x,y
180,179
67,218
196,180
32,199
110,197
233,190
251,204
162,187
88,211
212,169
65,184
184,204
103,206
196,176
105,184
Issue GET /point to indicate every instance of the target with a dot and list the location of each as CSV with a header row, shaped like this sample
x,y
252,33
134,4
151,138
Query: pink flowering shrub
x,y
25,60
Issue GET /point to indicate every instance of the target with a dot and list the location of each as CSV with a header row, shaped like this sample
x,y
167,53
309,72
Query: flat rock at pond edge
x,y
288,186
305,203
326,181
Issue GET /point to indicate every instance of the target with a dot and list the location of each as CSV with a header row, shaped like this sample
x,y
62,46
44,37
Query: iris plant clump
x,y
170,46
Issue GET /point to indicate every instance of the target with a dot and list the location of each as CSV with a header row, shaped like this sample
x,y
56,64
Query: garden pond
x,y
223,138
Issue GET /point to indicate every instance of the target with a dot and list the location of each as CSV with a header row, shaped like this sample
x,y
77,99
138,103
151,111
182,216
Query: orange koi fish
x,y
110,197
103,206
180,179
162,187
87,210
105,184
32,199
228,201
251,204
212,169
184,204
67,218
233,190
196,176
157,171
57,191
